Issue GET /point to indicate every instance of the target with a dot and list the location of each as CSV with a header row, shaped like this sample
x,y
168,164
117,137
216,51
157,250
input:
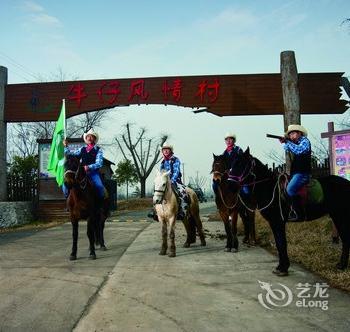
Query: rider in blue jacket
x,y
91,158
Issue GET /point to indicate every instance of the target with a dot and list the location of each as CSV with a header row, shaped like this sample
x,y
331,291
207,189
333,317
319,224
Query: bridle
x,y
162,192
83,182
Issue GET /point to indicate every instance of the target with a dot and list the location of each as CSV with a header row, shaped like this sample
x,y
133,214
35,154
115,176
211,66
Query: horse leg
x,y
91,226
279,232
199,226
190,230
164,247
252,233
75,226
227,225
344,258
171,243
234,218
245,221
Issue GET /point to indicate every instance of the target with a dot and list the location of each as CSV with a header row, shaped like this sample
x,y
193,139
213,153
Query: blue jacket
x,y
93,163
174,166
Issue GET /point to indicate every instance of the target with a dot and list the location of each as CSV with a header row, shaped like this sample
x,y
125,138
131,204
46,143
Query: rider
x,y
92,159
172,163
230,153
298,144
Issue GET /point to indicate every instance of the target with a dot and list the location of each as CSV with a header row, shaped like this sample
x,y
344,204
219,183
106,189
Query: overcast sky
x,y
125,39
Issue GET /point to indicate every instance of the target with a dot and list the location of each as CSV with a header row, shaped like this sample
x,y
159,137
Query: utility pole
x,y
183,172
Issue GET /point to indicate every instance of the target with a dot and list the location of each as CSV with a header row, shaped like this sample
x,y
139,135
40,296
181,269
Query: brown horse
x,y
166,206
81,203
230,204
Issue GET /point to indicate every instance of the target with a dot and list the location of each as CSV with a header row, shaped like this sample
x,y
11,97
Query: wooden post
x,y
3,136
290,92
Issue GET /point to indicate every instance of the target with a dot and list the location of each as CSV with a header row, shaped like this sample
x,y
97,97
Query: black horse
x,y
81,203
275,209
229,206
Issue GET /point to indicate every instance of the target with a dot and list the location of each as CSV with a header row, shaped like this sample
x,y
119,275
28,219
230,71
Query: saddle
x,y
310,194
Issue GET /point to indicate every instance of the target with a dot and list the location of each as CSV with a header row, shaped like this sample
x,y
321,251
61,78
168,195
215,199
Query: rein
x,y
222,198
83,182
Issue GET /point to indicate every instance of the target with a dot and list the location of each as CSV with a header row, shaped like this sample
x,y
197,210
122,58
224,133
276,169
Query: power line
x,y
18,65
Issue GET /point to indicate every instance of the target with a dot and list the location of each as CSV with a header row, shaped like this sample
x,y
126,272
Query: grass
x,y
133,204
32,225
309,244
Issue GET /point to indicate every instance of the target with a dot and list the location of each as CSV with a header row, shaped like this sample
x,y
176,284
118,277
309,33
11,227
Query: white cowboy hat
x,y
167,145
296,127
91,132
232,135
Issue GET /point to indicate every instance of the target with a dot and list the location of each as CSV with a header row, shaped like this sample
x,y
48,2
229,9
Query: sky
x,y
126,39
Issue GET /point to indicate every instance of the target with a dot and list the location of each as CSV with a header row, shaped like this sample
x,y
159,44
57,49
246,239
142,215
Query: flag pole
x,y
65,124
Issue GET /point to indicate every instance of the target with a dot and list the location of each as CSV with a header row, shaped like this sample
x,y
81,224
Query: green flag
x,y
56,159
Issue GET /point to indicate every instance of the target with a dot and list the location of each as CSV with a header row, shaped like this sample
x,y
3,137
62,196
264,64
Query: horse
x,y
166,206
81,204
274,208
230,206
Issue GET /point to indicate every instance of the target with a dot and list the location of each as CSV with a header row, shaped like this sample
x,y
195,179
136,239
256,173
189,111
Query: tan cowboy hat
x,y
167,145
296,127
91,132
230,134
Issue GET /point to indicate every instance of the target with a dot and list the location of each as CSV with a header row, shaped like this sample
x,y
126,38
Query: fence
x,y
21,188
318,169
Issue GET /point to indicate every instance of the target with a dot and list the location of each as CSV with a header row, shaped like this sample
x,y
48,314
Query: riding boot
x,y
297,212
153,215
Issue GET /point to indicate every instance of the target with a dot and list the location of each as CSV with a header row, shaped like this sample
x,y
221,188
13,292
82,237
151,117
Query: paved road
x,y
40,289
131,288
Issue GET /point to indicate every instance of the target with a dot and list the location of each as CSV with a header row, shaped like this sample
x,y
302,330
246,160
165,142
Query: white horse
x,y
166,206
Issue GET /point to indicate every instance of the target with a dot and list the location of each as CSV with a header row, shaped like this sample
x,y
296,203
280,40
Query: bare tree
x,y
144,152
197,181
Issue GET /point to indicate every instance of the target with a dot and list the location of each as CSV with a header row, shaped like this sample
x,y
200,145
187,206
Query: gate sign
x,y
341,155
339,151
222,95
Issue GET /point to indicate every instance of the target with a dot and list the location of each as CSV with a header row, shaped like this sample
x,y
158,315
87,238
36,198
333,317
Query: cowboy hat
x,y
91,132
296,127
167,145
230,134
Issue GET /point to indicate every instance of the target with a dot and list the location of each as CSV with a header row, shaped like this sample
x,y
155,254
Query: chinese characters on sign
x,y
109,92
341,155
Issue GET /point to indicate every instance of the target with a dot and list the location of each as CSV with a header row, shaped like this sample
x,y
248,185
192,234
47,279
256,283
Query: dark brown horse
x,y
275,209
82,204
230,205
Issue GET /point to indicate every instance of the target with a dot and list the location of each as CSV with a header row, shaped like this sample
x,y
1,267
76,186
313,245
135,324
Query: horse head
x,y
161,183
241,169
220,167
74,172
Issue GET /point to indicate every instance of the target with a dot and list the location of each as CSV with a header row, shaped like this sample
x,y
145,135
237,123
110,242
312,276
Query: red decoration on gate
x,y
137,88
109,89
175,90
79,94
211,90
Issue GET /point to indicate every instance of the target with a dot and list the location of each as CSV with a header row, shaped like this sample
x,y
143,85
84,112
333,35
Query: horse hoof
x,y
92,256
103,248
73,257
234,250
162,252
186,245
228,249
203,243
172,254
280,273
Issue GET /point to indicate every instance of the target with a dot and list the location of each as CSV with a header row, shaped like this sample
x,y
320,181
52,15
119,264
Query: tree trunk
x,y
143,187
127,190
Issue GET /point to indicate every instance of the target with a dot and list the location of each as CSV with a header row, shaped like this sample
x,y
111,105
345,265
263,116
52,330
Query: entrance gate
x,y
288,93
